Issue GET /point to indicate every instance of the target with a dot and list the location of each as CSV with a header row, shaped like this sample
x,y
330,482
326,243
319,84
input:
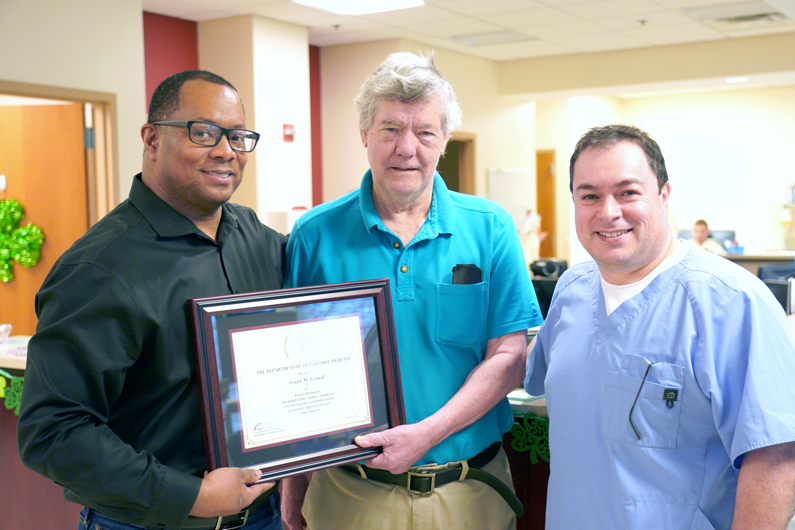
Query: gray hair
x,y
407,78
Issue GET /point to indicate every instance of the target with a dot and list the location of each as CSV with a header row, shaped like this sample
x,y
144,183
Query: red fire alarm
x,y
289,133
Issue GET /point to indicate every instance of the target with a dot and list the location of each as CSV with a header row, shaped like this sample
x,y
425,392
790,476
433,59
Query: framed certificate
x,y
288,378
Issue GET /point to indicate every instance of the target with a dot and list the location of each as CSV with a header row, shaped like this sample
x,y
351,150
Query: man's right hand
x,y
224,491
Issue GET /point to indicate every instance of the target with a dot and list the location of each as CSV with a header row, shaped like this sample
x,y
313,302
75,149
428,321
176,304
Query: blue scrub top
x,y
442,329
720,384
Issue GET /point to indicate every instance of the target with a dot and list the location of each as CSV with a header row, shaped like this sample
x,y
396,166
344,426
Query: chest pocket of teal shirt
x,y
461,313
656,419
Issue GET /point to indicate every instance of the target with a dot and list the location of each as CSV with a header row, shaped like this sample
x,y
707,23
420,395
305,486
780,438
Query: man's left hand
x,y
402,445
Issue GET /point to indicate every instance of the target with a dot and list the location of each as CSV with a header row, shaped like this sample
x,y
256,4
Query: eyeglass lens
x,y
209,134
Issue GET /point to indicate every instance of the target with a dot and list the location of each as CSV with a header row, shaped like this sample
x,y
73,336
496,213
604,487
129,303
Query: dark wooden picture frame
x,y
217,319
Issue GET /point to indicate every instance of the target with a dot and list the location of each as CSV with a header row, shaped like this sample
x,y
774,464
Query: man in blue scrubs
x,y
461,344
668,371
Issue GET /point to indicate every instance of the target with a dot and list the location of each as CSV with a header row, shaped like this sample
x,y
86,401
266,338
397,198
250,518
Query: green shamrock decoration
x,y
17,243
532,435
13,393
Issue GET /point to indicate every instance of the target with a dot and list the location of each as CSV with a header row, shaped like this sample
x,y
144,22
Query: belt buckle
x,y
424,474
232,526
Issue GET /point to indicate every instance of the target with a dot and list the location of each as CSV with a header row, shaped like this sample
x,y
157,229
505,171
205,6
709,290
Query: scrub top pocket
x,y
657,409
461,311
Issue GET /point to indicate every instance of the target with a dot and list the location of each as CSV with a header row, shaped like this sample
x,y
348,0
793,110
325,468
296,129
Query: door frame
x,y
102,160
466,162
546,191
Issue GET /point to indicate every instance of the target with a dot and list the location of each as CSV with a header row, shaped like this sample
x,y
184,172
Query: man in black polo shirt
x,y
110,407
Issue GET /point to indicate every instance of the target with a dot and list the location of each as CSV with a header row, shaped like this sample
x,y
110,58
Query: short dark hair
x,y
165,99
701,222
609,135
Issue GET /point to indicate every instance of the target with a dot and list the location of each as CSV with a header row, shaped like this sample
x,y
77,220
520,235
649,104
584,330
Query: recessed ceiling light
x,y
786,7
741,11
359,7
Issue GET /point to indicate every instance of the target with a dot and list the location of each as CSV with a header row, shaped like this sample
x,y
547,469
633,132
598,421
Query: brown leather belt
x,y
229,522
424,481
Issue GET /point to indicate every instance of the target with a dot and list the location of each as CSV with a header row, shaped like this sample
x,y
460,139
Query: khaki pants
x,y
338,500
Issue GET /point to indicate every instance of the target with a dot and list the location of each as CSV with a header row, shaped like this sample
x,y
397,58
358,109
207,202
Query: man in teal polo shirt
x,y
461,337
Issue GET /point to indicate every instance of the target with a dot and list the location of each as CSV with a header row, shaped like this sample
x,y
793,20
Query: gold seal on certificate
x,y
299,345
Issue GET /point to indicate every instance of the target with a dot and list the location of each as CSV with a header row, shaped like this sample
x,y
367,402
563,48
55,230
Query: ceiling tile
x,y
408,17
600,42
680,4
611,8
572,29
172,9
562,2
458,26
645,20
359,36
530,18
289,12
490,7
561,26
661,36
520,50
340,24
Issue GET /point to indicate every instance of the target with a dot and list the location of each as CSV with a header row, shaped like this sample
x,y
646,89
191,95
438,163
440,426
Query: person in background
x,y
461,337
531,236
702,239
668,371
110,407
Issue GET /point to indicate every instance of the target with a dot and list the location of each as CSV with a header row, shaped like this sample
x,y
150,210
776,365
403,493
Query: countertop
x,y
13,354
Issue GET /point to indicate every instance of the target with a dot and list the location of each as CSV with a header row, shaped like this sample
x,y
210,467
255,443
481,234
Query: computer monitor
x,y
544,288
782,291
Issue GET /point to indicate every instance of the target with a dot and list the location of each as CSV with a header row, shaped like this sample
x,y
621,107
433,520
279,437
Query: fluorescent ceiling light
x,y
359,7
736,79
740,10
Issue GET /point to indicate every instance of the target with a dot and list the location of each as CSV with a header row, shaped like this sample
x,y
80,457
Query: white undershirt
x,y
615,295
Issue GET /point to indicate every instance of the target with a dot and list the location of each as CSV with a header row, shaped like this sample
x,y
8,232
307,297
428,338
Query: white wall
x,y
504,125
92,45
343,69
552,132
563,122
281,86
729,158
270,69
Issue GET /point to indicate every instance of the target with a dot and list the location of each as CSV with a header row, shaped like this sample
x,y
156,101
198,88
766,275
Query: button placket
x,y
405,279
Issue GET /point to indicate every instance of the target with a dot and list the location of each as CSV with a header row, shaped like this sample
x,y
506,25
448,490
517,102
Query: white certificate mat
x,y
299,380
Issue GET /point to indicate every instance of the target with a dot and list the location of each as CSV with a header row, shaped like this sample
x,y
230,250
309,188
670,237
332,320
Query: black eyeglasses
x,y
209,134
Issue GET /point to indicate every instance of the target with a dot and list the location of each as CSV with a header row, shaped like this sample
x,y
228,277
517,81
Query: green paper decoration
x,y
12,393
532,435
17,243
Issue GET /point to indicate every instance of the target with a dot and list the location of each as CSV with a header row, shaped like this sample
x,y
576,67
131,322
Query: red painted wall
x,y
317,137
170,45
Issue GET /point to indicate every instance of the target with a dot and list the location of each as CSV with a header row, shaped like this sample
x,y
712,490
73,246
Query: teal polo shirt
x,y
441,328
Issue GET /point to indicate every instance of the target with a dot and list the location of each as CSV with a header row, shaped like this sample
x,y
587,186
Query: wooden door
x,y
545,200
43,160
